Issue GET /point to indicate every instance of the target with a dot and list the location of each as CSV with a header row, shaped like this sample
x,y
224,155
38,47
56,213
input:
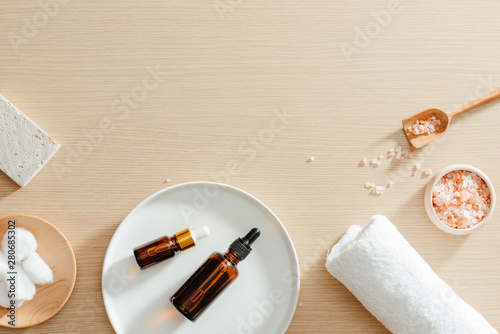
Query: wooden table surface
x,y
141,91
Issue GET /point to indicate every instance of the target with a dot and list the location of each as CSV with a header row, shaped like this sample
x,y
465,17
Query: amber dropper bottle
x,y
213,277
165,247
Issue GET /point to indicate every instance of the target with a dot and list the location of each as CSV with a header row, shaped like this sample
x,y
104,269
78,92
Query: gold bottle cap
x,y
185,239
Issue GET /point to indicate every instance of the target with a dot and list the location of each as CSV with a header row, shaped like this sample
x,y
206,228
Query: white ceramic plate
x,y
262,300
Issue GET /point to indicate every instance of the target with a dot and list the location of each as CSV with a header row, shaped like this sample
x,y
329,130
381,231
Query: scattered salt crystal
x,y
399,154
428,171
390,184
379,190
311,159
375,162
364,161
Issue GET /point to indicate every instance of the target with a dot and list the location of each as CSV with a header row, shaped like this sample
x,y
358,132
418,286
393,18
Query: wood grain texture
x,y
491,96
55,250
223,78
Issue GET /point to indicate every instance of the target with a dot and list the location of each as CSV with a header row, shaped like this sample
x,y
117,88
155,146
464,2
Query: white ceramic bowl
x,y
430,208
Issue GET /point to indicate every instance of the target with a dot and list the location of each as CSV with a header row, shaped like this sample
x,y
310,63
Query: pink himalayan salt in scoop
x,y
461,199
424,127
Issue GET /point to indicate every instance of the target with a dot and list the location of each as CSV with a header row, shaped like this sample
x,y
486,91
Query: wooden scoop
x,y
445,117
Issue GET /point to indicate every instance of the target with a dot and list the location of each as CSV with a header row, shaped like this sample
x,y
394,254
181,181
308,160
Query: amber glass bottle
x,y
215,275
165,247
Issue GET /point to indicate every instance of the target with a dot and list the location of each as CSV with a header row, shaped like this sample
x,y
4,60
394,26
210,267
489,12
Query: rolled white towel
x,y
397,286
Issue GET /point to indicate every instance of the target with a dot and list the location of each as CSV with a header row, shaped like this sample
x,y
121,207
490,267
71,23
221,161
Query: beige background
x,y
225,70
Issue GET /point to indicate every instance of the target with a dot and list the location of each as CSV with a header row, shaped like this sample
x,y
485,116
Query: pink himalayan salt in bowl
x,y
460,199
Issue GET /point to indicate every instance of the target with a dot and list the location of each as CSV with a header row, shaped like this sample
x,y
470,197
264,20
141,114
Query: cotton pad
x,y
29,267
5,300
20,284
37,270
25,243
4,267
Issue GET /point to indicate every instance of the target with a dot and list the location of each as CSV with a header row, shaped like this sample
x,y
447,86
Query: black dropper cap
x,y
241,246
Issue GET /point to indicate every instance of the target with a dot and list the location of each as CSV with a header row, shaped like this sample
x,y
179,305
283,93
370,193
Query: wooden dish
x,y
55,249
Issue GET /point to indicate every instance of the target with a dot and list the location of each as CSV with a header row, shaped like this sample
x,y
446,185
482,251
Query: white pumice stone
x,y
24,243
38,270
24,147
